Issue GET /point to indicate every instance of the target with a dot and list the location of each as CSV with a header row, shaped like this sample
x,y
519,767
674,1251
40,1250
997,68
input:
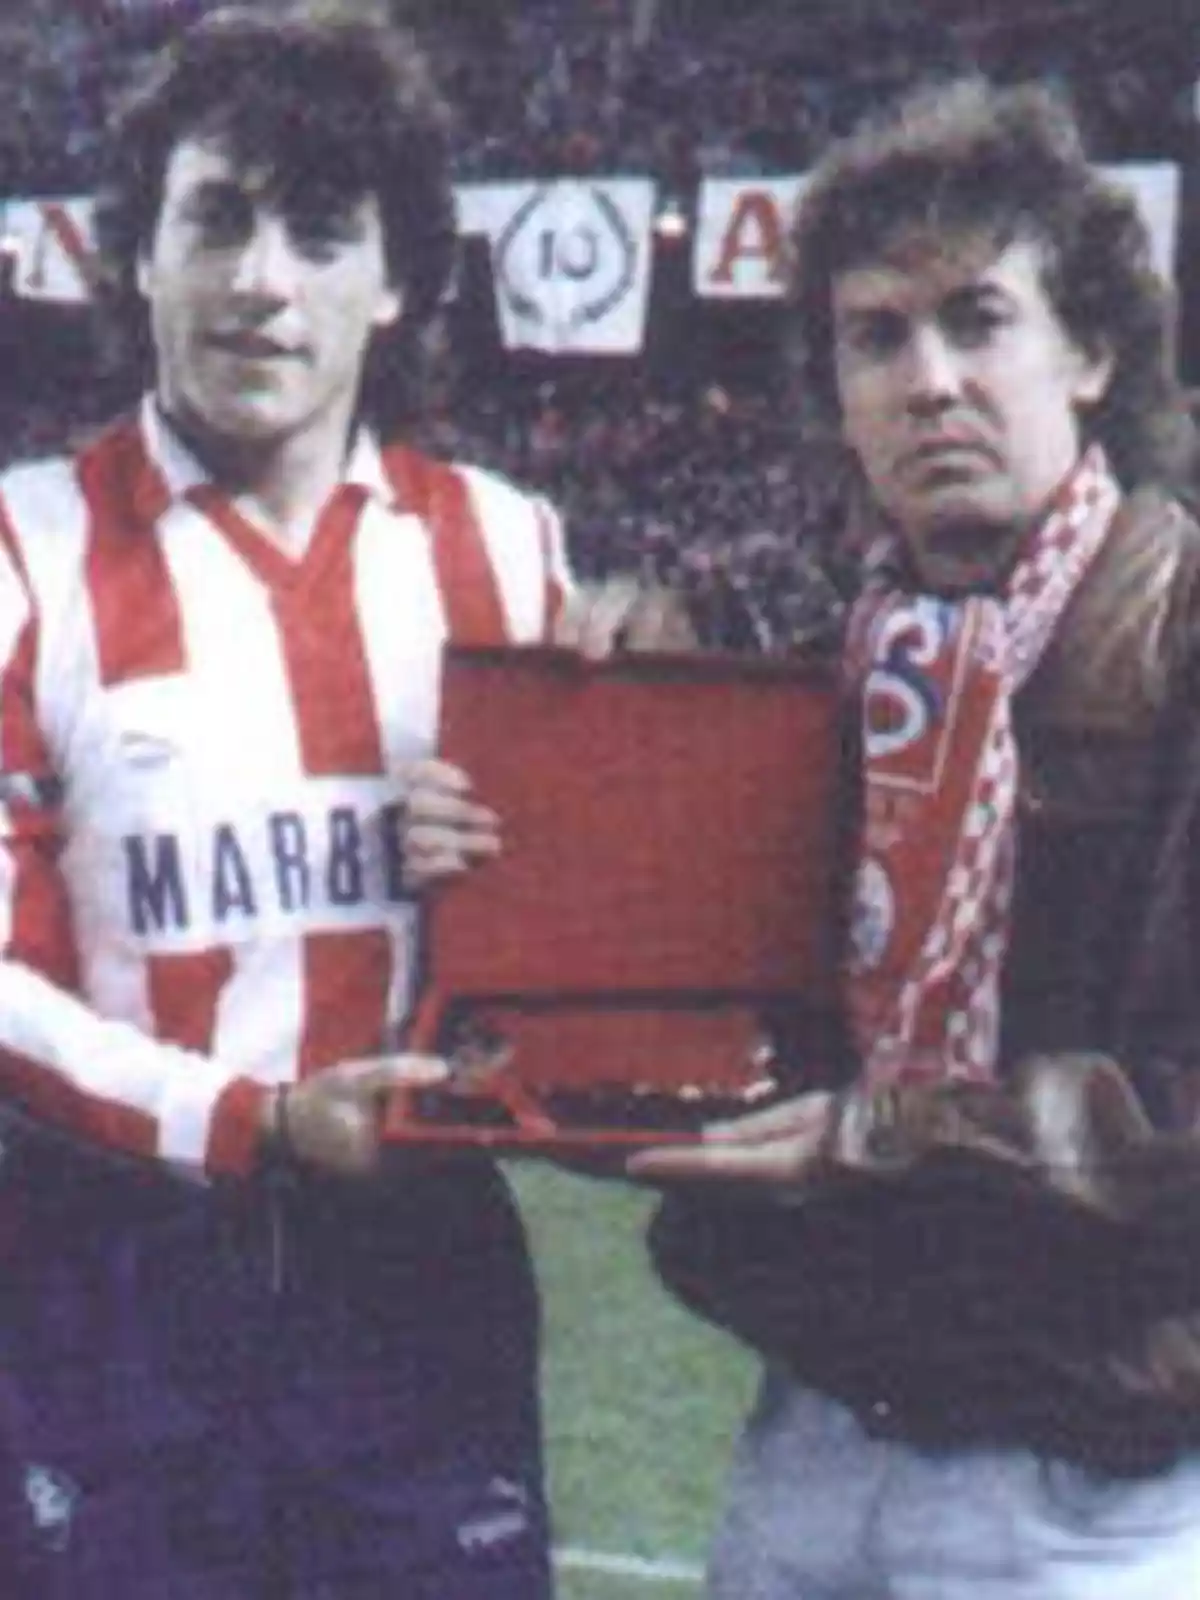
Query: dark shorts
x,y
324,1394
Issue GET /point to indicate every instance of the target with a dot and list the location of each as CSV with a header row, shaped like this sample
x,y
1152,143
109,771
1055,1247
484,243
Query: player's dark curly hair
x,y
334,104
968,158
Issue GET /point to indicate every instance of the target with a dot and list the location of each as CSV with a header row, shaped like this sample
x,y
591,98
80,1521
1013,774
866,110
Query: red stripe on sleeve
x,y
22,747
139,630
41,932
235,1130
184,990
439,495
46,1094
347,978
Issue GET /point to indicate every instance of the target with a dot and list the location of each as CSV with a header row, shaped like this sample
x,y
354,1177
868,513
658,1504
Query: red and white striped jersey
x,y
201,744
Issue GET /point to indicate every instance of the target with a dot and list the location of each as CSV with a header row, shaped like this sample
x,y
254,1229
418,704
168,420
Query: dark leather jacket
x,y
1021,1265
1109,733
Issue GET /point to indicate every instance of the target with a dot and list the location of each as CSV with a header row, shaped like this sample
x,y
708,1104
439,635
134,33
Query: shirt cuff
x,y
235,1130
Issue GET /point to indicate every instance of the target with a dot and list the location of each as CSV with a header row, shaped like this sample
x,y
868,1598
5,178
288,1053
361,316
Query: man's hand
x,y
621,613
332,1121
445,829
773,1149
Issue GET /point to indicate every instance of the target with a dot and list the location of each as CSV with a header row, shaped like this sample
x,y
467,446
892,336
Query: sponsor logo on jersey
x,y
287,864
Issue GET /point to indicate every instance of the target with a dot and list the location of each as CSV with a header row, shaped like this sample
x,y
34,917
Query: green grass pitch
x,y
642,1400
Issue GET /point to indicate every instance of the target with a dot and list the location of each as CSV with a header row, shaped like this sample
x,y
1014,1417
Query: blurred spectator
x,y
711,493
567,86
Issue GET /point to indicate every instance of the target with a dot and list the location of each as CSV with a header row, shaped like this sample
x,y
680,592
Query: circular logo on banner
x,y
872,917
565,260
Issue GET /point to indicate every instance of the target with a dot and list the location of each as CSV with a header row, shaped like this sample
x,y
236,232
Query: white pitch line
x,y
619,1566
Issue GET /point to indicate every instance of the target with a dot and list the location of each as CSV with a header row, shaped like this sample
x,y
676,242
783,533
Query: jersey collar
x,y
174,472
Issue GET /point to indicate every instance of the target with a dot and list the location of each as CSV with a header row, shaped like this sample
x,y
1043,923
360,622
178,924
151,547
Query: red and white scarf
x,y
933,886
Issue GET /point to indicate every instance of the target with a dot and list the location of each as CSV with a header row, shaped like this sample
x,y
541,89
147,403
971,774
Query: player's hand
x,y
445,830
622,614
333,1120
776,1148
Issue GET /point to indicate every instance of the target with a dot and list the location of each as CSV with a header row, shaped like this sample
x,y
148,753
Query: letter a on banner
x,y
742,226
53,239
571,264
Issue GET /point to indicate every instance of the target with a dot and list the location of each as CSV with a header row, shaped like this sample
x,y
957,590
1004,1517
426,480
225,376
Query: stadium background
x,y
681,462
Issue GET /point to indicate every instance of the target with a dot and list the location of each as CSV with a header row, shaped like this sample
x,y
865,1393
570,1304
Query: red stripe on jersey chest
x,y
346,981
316,610
184,990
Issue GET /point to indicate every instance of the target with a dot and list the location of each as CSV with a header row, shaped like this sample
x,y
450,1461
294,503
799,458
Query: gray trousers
x,y
817,1509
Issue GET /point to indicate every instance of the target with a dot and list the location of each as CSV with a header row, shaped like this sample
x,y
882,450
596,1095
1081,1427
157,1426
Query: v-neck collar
x,y
273,565
180,477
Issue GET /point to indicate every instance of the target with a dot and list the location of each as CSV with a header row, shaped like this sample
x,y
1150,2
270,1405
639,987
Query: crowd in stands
x,y
574,86
709,491
560,86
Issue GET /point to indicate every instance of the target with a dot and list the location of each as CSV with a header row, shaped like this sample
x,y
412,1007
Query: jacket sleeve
x,y
1157,1032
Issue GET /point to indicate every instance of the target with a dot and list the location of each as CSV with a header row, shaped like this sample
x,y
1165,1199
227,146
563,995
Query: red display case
x,y
664,898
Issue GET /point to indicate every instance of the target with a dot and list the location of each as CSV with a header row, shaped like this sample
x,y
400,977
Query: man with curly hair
x,y
972,1262
256,1355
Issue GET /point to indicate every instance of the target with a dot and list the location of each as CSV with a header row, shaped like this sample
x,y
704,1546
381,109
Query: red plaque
x,y
666,885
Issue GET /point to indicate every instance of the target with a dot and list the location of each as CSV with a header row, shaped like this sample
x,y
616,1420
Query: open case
x,y
663,910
